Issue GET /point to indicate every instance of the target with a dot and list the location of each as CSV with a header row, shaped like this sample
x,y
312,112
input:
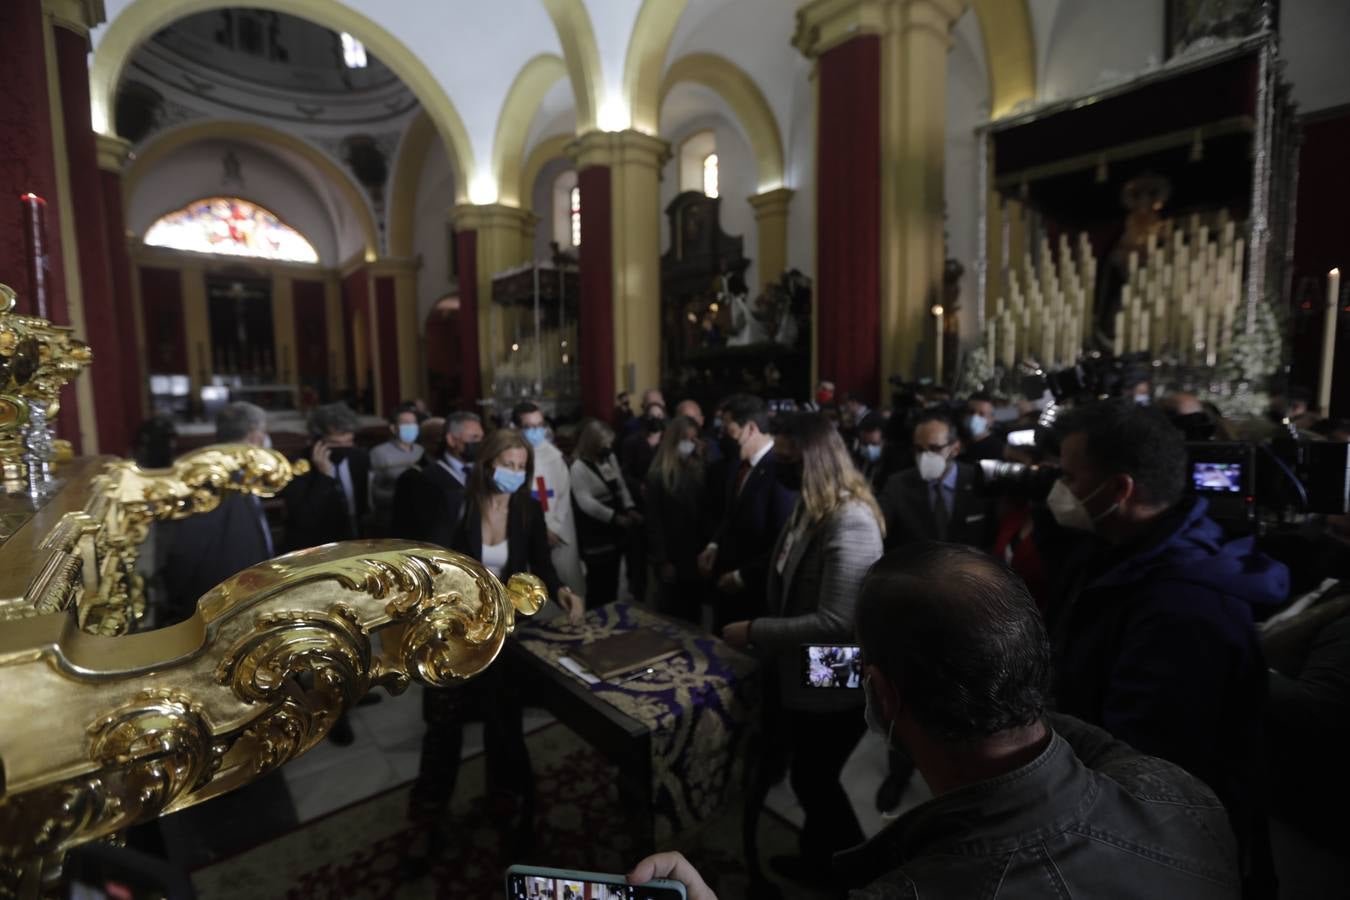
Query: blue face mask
x,y
976,425
508,481
872,452
408,434
537,435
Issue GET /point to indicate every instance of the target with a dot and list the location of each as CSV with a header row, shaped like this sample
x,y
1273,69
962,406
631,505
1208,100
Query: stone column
x,y
112,156
619,325
771,215
882,70
489,238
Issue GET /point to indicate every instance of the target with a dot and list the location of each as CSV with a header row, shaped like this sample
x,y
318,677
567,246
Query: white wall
x,y
435,196
967,107
688,110
541,202
1093,42
1313,42
196,171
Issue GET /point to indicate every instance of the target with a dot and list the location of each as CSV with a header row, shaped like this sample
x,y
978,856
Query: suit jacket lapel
x,y
795,558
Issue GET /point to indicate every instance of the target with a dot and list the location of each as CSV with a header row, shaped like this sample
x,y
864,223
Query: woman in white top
x,y
605,511
502,526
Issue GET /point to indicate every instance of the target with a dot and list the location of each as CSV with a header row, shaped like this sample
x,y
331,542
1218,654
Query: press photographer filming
x,y
1151,609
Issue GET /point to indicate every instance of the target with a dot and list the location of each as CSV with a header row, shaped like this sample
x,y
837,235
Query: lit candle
x,y
1329,341
35,236
937,353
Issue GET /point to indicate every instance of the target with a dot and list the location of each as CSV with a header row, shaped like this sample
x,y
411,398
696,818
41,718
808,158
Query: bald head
x,y
690,409
959,636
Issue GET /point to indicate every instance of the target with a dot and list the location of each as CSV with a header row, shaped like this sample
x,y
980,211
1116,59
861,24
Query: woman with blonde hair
x,y
816,570
677,528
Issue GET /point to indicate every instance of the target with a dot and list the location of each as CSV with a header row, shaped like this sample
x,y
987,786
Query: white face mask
x,y
1070,512
686,449
932,466
267,441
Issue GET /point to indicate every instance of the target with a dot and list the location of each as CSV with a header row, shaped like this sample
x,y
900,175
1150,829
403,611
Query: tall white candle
x,y
1329,341
1118,339
937,353
1010,346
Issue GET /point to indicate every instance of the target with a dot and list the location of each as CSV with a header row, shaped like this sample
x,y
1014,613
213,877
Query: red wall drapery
x,y
311,331
165,330
848,216
355,294
119,260
113,415
466,253
595,325
386,321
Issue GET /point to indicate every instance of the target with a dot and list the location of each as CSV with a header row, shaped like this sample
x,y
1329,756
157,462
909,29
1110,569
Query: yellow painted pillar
x,y
914,50
504,238
337,351
283,329
196,328
771,216
634,160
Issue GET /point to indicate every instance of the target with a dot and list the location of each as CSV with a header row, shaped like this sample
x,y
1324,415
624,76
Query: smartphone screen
x,y
831,666
531,883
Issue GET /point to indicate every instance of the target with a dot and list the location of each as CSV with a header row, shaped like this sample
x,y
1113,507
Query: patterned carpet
x,y
355,852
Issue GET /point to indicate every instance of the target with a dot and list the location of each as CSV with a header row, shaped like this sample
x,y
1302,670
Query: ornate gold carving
x,y
97,733
37,359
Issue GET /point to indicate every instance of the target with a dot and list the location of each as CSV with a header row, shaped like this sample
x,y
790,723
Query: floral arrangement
x,y
1253,357
977,370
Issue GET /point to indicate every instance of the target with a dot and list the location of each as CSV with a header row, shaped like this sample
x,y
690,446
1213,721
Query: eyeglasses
x,y
932,448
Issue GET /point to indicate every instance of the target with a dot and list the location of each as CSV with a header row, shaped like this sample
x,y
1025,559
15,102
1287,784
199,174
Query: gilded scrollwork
x,y
155,722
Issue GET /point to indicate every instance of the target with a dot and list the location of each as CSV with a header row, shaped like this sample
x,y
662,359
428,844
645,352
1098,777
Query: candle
x,y
1010,346
35,237
1048,345
991,340
1329,341
1118,339
937,352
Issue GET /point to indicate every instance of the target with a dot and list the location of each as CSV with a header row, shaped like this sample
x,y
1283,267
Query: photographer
x,y
1151,611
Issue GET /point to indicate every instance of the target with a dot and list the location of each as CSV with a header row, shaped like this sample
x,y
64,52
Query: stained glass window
x,y
353,52
576,216
233,227
710,174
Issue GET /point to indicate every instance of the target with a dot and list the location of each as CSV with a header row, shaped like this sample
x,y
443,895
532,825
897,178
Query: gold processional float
x,y
103,726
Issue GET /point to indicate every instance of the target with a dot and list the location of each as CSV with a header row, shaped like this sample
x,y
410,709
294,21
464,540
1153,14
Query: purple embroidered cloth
x,y
699,707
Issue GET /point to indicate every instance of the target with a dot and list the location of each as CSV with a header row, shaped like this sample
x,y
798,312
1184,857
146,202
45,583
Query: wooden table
x,y
674,735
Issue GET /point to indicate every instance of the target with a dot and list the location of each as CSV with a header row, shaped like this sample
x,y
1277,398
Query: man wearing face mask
x,y
332,501
756,505
869,450
552,488
390,460
428,501
937,499
982,439
1026,803
1151,609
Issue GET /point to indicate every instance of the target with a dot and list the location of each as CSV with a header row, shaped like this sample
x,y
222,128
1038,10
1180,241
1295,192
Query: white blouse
x,y
495,556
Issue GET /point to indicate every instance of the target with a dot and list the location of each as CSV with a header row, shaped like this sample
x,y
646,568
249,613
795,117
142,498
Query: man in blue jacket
x,y
1152,617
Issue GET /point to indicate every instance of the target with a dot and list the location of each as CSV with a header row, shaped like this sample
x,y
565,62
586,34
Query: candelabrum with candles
x,y
1046,314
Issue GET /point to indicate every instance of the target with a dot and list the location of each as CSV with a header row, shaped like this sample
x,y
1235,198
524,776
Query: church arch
x,y
582,56
255,132
513,124
142,18
1010,52
646,57
745,98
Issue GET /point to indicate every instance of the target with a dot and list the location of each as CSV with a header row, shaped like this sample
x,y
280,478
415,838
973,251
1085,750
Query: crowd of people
x,y
1078,674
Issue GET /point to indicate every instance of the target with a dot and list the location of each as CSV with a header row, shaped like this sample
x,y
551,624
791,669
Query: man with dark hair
x,y
869,451
195,554
390,460
1151,611
981,437
427,501
329,503
553,489
957,668
936,500
756,508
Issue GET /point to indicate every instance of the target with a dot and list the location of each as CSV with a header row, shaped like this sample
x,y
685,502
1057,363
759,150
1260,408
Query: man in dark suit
x,y
757,508
937,499
331,502
428,501
934,501
198,553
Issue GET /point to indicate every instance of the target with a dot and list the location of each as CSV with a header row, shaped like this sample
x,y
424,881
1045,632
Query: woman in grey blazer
x,y
832,539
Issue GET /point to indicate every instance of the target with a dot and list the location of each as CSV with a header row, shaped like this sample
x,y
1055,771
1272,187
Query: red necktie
x,y
741,474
